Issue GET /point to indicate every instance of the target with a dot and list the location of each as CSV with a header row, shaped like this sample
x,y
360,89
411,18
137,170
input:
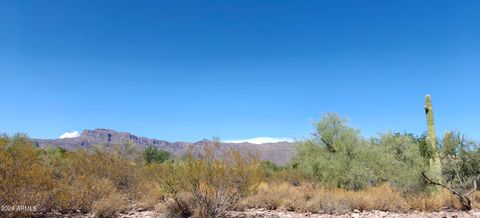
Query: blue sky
x,y
188,70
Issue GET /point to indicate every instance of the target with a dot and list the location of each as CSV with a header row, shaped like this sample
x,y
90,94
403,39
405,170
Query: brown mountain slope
x,y
279,152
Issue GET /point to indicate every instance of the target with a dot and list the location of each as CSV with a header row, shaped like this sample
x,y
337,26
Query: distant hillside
x,y
279,152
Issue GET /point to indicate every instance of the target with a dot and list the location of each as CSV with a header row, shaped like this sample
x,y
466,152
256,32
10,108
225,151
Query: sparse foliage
x,y
216,180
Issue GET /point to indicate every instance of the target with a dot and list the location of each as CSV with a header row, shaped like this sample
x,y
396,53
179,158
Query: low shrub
x,y
70,182
183,205
103,165
283,196
109,205
25,179
147,194
217,180
81,193
89,176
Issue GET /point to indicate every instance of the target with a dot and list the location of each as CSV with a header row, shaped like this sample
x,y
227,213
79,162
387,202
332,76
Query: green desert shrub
x,y
331,155
338,156
269,168
152,154
396,159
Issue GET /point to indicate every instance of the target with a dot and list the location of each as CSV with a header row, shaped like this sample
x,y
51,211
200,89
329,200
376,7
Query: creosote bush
x,y
109,205
70,181
24,177
216,180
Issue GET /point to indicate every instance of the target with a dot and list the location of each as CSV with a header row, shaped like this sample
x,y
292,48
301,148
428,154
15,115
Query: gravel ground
x,y
356,214
261,213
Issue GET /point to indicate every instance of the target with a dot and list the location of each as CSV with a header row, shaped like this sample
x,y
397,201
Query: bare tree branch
x,y
329,145
474,185
464,200
439,184
457,171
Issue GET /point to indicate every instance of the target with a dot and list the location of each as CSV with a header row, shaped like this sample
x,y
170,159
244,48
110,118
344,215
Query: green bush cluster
x,y
338,156
154,155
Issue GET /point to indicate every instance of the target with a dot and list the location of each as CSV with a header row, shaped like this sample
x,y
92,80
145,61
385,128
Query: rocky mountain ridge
x,y
279,152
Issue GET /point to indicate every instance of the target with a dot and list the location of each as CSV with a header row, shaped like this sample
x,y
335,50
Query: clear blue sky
x,y
188,70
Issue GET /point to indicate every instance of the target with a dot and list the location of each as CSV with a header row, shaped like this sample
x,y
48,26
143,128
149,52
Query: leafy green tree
x,y
152,154
398,161
330,156
339,156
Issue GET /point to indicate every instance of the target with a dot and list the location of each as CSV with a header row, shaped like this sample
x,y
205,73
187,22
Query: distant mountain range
x,y
279,152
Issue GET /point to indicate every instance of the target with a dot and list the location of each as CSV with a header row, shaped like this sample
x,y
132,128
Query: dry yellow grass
x,y
278,196
475,197
315,199
435,202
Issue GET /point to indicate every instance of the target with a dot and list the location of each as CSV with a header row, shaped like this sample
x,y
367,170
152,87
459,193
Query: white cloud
x,y
69,135
261,140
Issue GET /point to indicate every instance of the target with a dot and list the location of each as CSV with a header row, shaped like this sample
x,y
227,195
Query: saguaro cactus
x,y
435,167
